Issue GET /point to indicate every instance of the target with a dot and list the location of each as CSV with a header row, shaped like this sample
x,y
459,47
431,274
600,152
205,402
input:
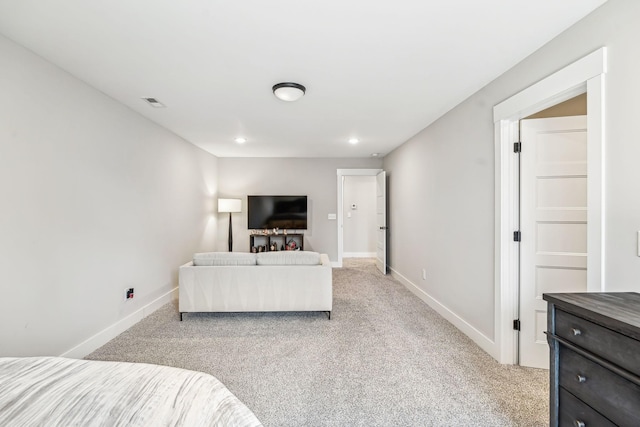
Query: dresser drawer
x,y
616,348
608,393
575,413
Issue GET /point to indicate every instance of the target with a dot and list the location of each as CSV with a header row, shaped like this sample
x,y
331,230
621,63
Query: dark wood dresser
x,y
595,359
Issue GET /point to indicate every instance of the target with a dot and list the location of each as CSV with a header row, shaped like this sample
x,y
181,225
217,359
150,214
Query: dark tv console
x,y
276,242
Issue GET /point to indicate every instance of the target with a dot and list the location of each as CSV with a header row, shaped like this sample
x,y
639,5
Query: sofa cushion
x,y
224,258
288,258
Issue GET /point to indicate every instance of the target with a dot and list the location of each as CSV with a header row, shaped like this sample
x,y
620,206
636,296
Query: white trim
x,y
548,91
359,255
358,172
339,214
478,337
584,75
506,250
109,333
595,184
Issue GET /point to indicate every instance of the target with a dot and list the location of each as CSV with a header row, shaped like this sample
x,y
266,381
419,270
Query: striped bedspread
x,y
54,391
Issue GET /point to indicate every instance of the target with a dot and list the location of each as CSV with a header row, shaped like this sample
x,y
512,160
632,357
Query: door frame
x,y
340,210
585,75
382,225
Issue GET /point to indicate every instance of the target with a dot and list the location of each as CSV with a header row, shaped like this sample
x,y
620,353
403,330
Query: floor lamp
x,y
231,206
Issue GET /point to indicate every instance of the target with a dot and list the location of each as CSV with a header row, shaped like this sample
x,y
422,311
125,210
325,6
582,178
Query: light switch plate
x,y
331,216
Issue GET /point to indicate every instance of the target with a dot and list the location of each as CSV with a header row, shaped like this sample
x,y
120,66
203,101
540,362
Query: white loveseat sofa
x,y
267,281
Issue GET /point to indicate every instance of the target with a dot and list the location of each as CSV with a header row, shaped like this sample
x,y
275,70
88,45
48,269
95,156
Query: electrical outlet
x,y
128,294
424,274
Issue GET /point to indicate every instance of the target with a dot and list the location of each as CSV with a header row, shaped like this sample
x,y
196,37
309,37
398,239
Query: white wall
x,y
317,178
360,229
95,198
442,180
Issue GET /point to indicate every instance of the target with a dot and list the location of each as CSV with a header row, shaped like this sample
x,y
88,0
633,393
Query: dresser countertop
x,y
618,311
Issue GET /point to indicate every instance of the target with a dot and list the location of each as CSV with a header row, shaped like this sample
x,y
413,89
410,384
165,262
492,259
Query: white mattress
x,y
52,391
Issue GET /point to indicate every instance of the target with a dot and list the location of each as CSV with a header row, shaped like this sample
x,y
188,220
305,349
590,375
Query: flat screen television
x,y
285,212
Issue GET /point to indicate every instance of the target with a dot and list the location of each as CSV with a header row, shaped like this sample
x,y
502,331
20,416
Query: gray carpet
x,y
384,359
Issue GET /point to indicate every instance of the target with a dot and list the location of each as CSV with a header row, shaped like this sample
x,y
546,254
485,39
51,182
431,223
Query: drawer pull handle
x,y
581,378
580,423
576,331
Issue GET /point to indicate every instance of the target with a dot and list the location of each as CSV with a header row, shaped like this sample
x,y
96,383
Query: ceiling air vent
x,y
154,103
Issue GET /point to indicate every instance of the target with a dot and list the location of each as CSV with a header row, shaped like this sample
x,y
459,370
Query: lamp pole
x,y
230,206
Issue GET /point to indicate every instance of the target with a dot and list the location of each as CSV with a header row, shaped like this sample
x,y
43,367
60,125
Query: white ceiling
x,y
377,70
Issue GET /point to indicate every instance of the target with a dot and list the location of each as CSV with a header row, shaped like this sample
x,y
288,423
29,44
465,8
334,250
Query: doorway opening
x,y
380,212
359,217
583,76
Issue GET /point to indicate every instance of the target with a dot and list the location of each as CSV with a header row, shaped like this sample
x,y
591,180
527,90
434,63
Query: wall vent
x,y
154,103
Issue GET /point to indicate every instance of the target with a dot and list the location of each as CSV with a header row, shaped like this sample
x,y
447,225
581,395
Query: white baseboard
x,y
359,255
478,337
106,335
336,264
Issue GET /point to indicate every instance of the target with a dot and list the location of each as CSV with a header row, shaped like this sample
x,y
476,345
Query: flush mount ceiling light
x,y
240,140
353,140
288,91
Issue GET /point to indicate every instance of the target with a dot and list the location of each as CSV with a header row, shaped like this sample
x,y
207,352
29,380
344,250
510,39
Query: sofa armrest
x,y
324,259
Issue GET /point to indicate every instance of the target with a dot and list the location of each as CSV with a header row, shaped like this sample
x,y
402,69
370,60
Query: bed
x,y
55,391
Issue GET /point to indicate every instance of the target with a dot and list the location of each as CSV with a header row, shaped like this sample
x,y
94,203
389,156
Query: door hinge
x,y
517,147
516,325
517,236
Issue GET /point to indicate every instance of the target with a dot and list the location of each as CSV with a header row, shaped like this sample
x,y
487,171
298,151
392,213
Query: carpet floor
x,y
384,359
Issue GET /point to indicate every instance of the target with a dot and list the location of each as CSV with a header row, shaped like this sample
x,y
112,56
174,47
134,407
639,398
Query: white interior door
x,y
381,220
553,223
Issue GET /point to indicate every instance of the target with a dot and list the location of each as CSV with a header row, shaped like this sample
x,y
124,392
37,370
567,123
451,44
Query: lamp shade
x,y
229,205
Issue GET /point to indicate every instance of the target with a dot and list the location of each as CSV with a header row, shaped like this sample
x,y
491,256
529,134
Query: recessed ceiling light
x,y
375,154
288,91
154,103
240,140
353,140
